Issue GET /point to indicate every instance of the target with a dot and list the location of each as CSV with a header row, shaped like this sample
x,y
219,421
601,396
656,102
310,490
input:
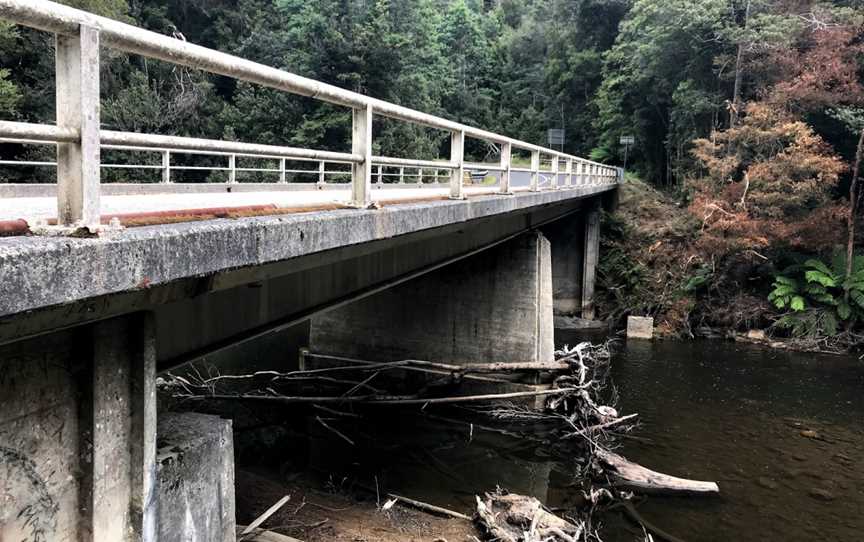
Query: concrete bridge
x,y
102,286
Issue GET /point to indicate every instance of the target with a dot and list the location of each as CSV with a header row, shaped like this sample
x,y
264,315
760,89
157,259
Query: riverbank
x,y
657,263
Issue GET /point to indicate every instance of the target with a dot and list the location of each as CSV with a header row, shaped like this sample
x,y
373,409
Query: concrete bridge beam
x,y
492,307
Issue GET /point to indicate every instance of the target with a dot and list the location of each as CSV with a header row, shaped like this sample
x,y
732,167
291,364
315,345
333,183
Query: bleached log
x,y
628,474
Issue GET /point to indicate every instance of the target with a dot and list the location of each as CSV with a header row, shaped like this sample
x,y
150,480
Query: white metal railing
x,y
79,137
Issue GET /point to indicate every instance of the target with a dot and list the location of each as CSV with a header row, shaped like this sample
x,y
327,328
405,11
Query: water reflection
x,y
781,432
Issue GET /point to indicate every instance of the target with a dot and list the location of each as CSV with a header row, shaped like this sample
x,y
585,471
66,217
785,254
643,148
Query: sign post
x,y
626,141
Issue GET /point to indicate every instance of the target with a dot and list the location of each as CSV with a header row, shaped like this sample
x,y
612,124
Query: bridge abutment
x,y
495,306
78,443
78,434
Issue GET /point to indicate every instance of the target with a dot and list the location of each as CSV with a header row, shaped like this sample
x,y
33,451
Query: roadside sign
x,y
627,140
555,136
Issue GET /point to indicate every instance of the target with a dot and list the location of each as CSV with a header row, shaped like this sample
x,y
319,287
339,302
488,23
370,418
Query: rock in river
x,y
821,494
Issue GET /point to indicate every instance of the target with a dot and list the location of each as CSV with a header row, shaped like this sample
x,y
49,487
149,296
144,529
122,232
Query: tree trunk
x,y
739,75
853,211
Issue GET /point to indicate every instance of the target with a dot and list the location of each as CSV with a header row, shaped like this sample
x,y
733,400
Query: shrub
x,y
818,296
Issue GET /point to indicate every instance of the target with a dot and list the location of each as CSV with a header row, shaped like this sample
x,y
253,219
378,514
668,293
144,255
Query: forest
x,y
741,205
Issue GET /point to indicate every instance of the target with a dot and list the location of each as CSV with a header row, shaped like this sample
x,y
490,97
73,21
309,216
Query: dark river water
x,y
709,410
735,414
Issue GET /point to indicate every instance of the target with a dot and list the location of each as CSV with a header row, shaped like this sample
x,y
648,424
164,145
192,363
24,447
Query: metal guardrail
x,y
79,137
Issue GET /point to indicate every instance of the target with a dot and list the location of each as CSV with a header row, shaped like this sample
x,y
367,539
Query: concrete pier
x,y
592,256
567,238
78,434
495,306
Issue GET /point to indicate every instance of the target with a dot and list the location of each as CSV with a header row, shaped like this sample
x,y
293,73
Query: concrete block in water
x,y
195,462
640,327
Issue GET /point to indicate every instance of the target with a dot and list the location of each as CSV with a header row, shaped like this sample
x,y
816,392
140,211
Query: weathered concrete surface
x,y
590,260
41,439
77,434
196,478
39,272
567,237
492,307
123,426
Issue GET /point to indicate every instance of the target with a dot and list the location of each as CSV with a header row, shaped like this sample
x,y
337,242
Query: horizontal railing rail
x,y
80,138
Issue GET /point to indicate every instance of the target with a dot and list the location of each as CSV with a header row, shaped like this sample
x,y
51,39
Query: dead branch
x,y
266,515
426,507
334,431
379,399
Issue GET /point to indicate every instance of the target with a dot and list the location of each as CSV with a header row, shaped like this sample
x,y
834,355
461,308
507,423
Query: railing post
x,y
283,178
321,173
166,166
380,175
77,71
401,175
419,175
554,172
535,171
232,168
568,171
361,143
457,158
507,164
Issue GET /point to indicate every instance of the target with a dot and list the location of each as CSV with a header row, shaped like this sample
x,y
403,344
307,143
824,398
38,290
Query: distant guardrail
x,y
80,139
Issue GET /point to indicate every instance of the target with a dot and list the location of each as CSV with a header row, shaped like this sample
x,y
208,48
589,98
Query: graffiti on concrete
x,y
33,512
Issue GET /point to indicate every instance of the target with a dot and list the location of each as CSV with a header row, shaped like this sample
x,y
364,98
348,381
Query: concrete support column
x,y
123,499
495,306
592,254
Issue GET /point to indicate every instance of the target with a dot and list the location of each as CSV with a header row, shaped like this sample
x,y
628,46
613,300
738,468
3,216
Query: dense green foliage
x,y
507,66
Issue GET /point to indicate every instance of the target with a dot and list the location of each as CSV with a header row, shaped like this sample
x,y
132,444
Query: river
x,y
782,433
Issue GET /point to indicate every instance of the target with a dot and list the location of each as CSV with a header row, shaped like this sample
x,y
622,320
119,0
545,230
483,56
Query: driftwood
x,y
263,535
378,399
500,367
516,518
628,474
431,508
266,515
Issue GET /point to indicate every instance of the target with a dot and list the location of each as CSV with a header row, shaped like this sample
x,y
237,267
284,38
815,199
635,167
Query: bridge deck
x,y
39,271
